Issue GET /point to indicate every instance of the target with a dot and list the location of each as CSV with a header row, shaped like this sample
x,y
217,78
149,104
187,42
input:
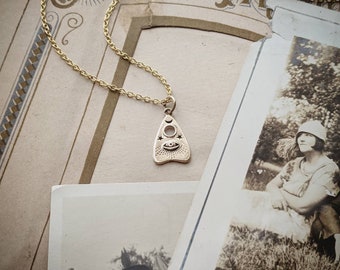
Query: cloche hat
x,y
313,127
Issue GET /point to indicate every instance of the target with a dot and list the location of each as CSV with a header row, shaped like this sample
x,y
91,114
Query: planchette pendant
x,y
170,143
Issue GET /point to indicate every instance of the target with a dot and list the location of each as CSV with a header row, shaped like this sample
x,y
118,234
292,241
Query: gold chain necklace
x,y
170,143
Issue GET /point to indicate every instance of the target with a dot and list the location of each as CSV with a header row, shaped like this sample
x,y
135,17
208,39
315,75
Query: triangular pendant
x,y
170,143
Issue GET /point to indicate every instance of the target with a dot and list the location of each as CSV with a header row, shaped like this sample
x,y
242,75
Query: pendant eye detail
x,y
170,145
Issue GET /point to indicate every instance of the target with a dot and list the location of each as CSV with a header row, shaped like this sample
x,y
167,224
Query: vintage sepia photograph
x,y
131,226
288,214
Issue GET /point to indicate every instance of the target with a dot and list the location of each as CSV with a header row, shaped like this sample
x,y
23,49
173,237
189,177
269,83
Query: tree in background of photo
x,y
312,92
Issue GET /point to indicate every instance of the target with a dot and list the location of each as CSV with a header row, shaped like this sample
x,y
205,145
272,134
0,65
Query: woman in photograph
x,y
307,184
304,187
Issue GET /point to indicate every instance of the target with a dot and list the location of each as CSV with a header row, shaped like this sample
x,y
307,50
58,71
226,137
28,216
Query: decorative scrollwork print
x,y
258,5
73,20
63,3
69,3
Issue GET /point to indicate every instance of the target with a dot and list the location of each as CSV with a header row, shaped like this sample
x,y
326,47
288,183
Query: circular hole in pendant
x,y
169,131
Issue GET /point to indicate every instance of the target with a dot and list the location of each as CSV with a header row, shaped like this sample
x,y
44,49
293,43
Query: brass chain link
x,y
120,53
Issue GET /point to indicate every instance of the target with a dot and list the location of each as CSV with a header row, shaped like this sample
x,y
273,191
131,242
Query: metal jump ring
x,y
169,110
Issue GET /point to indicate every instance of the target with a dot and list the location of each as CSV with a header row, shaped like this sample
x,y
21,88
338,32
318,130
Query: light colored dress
x,y
255,208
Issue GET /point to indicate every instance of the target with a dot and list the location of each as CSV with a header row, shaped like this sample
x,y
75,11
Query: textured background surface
x,y
56,127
